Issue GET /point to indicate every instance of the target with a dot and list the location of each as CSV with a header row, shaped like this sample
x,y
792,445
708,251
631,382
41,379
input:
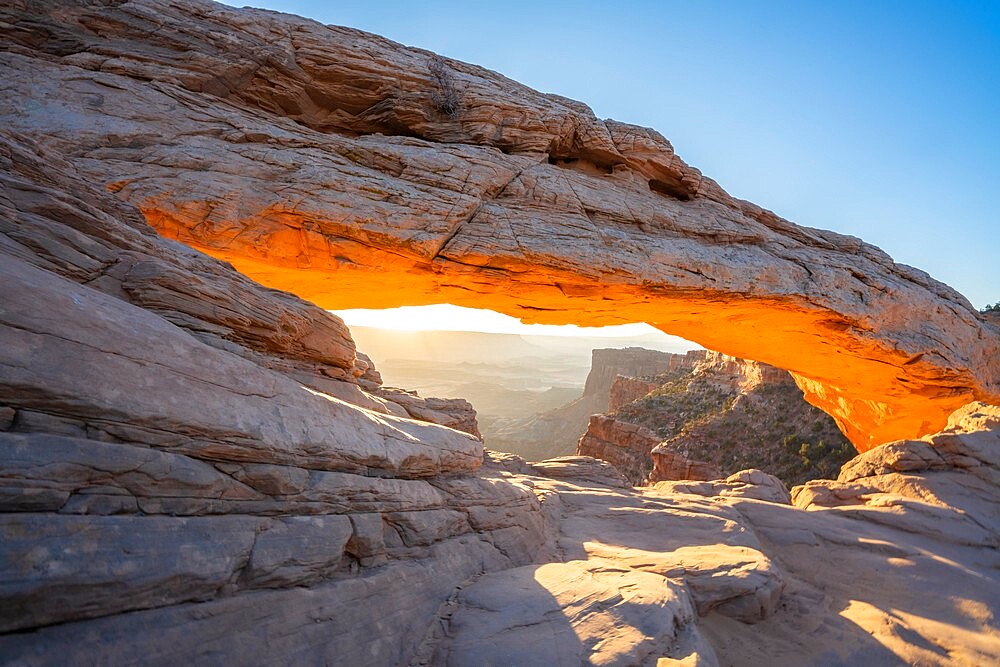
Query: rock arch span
x,y
357,172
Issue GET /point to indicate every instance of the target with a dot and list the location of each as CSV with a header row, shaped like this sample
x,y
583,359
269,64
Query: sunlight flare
x,y
446,317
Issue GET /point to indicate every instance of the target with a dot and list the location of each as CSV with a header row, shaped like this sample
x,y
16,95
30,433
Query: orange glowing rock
x,y
872,361
356,172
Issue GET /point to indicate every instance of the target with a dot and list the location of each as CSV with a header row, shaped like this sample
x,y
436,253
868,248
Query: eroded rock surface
x,y
732,414
743,484
581,612
180,483
709,415
353,171
626,446
625,390
901,524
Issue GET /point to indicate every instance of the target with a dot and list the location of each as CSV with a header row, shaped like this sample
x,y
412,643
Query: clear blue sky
x,y
876,119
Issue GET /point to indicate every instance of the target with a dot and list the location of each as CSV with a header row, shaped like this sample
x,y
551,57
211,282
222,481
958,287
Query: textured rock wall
x,y
636,380
724,414
353,171
557,432
742,374
179,483
607,364
174,483
625,390
623,445
671,465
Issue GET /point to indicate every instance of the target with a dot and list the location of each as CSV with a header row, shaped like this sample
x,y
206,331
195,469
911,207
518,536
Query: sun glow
x,y
446,317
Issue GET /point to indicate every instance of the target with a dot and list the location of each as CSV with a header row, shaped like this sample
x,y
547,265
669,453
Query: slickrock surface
x,y
174,484
581,612
171,494
196,469
582,468
928,508
353,171
749,483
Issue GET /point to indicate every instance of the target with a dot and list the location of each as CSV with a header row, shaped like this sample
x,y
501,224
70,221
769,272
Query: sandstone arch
x,y
323,161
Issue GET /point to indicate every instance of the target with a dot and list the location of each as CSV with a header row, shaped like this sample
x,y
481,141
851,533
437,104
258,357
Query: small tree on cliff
x,y
995,308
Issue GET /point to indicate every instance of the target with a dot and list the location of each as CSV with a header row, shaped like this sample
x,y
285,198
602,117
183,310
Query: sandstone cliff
x,y
180,484
354,171
629,448
625,390
606,365
734,414
168,418
710,417
556,432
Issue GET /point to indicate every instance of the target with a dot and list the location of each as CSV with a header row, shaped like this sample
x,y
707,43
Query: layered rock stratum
x,y
709,416
557,432
354,171
197,469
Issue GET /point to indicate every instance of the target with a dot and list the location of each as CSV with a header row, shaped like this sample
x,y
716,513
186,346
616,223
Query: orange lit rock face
x,y
355,172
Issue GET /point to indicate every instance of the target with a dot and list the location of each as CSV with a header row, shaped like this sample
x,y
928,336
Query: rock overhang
x,y
322,161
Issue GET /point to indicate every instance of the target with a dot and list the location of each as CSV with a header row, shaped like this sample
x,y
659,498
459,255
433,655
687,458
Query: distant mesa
x,y
557,431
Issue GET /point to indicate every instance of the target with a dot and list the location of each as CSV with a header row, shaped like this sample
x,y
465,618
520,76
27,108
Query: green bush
x,y
822,460
770,428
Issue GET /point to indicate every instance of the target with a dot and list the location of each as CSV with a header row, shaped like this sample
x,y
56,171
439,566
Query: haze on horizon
x,y
877,120
447,317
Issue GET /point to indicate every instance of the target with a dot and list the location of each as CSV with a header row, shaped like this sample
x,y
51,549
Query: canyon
x,y
557,432
197,465
533,395
705,415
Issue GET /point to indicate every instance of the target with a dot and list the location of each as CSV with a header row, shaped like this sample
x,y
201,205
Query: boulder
x,y
581,612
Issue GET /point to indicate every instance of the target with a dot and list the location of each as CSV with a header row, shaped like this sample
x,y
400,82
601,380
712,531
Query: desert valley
x,y
201,464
